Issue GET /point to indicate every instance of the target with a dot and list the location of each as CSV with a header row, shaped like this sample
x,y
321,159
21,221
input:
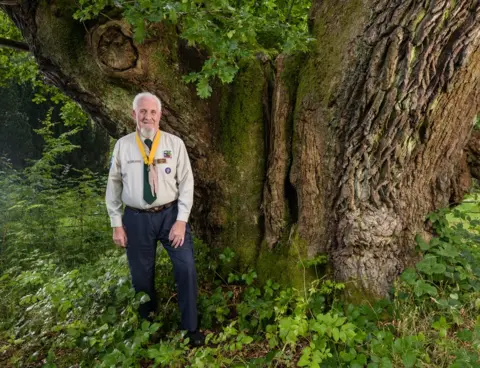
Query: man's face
x,y
147,116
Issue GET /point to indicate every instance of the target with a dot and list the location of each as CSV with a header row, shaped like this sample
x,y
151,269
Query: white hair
x,y
143,95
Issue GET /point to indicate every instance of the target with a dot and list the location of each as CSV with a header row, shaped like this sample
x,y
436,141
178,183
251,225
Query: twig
x,y
20,46
9,2
168,301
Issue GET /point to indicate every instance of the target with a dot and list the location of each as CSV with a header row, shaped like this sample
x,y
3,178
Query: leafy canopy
x,y
228,30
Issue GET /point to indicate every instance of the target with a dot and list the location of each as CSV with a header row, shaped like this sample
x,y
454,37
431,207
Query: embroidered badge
x,y
134,161
161,161
168,170
167,154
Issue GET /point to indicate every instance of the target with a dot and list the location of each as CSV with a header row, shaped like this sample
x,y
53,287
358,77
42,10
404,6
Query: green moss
x,y
412,57
421,14
355,294
284,264
164,65
62,38
242,143
118,102
290,75
335,27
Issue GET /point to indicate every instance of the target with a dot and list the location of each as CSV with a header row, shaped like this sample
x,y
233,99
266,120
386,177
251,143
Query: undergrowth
x,y
56,312
67,299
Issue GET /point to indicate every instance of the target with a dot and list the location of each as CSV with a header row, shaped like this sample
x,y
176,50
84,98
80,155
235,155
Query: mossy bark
x,y
342,150
242,144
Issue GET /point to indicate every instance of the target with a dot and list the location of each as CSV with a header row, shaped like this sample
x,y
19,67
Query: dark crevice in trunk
x,y
291,197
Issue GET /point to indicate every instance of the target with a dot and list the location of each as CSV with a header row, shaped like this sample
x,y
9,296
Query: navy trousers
x,y
143,231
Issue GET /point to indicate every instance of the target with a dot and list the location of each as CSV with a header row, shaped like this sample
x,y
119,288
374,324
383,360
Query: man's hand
x,y
120,236
177,234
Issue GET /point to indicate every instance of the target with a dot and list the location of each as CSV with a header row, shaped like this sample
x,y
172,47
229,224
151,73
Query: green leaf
x,y
422,288
465,335
441,324
139,33
304,360
336,334
430,266
144,299
409,276
203,88
386,363
348,356
409,358
448,251
422,243
154,327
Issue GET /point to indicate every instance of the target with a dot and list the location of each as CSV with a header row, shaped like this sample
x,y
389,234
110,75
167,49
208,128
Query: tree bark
x,y
343,150
402,116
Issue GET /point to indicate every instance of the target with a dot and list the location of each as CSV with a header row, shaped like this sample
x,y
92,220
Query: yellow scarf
x,y
148,161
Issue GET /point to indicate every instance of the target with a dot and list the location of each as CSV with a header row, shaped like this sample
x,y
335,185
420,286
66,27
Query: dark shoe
x,y
196,338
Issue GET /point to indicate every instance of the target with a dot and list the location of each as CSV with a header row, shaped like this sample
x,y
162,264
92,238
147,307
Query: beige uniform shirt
x,y
125,179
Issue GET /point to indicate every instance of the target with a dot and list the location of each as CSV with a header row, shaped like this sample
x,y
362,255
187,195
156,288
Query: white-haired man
x,y
151,174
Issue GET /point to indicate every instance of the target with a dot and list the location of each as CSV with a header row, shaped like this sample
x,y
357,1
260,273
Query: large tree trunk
x,y
341,151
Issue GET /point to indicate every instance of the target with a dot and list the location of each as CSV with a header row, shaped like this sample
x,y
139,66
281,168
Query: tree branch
x,y
9,2
21,46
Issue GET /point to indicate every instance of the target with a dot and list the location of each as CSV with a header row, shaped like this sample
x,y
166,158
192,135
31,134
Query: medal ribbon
x,y
148,161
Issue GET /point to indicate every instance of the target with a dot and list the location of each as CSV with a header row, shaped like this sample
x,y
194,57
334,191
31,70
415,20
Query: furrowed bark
x,y
274,197
406,114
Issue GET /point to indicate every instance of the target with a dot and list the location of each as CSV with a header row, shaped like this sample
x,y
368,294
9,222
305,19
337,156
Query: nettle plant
x,y
227,30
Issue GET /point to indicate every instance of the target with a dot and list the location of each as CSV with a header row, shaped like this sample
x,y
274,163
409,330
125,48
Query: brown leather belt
x,y
153,209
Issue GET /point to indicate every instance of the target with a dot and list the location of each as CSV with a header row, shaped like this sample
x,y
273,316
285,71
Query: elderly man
x,y
151,174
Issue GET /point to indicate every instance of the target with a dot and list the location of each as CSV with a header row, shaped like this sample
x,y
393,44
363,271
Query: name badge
x,y
134,161
160,161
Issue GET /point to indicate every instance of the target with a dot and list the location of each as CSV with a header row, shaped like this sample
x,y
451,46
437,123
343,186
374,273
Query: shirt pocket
x,y
166,169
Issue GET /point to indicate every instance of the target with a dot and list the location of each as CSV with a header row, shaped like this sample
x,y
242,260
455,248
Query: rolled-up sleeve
x,y
113,197
185,184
